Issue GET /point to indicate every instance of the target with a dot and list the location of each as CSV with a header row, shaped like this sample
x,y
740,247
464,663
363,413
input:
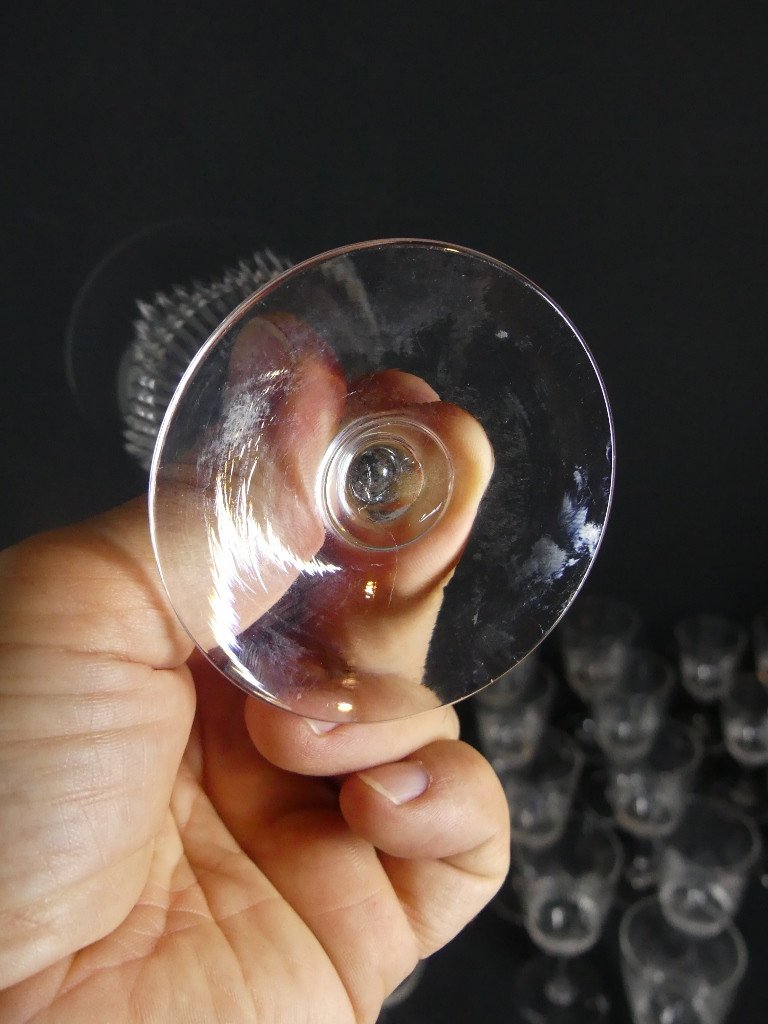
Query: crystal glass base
x,y
381,481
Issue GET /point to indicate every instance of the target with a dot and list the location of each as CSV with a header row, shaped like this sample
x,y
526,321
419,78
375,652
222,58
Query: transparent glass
x,y
628,711
674,978
648,794
540,794
511,720
382,480
744,715
566,890
705,866
745,721
595,638
710,648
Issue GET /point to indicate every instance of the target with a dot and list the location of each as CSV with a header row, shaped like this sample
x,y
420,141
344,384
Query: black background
x,y
613,153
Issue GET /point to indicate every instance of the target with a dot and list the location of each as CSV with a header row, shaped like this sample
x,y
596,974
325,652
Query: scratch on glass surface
x,y
547,561
584,534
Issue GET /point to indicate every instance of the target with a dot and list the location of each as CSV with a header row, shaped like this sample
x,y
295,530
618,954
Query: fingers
x,y
309,747
440,821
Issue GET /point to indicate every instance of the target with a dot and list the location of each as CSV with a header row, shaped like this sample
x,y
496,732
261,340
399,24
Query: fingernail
x,y
399,782
321,728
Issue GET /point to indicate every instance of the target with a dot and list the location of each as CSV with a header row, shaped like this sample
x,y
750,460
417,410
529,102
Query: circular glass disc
x,y
382,480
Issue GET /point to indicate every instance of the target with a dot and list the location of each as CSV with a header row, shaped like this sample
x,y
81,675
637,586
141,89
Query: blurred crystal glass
x,y
566,889
745,731
511,716
540,793
629,711
648,794
705,866
674,978
710,649
380,481
595,638
745,721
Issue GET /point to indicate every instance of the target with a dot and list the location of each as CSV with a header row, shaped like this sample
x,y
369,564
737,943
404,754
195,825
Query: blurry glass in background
x,y
674,978
595,638
706,865
710,649
567,889
628,711
511,715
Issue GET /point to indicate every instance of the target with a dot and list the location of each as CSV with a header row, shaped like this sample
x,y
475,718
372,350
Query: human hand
x,y
174,850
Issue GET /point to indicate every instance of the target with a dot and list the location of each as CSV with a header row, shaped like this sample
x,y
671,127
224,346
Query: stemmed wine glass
x,y
381,481
540,795
648,796
709,650
511,716
706,865
567,889
745,730
628,709
595,638
674,978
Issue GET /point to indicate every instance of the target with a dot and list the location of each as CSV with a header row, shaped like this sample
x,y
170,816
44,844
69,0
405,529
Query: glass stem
x,y
560,989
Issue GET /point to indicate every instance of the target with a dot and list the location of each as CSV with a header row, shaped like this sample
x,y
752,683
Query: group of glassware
x,y
635,801
296,384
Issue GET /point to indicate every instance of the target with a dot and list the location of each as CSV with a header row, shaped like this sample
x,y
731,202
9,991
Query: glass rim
x,y
630,956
